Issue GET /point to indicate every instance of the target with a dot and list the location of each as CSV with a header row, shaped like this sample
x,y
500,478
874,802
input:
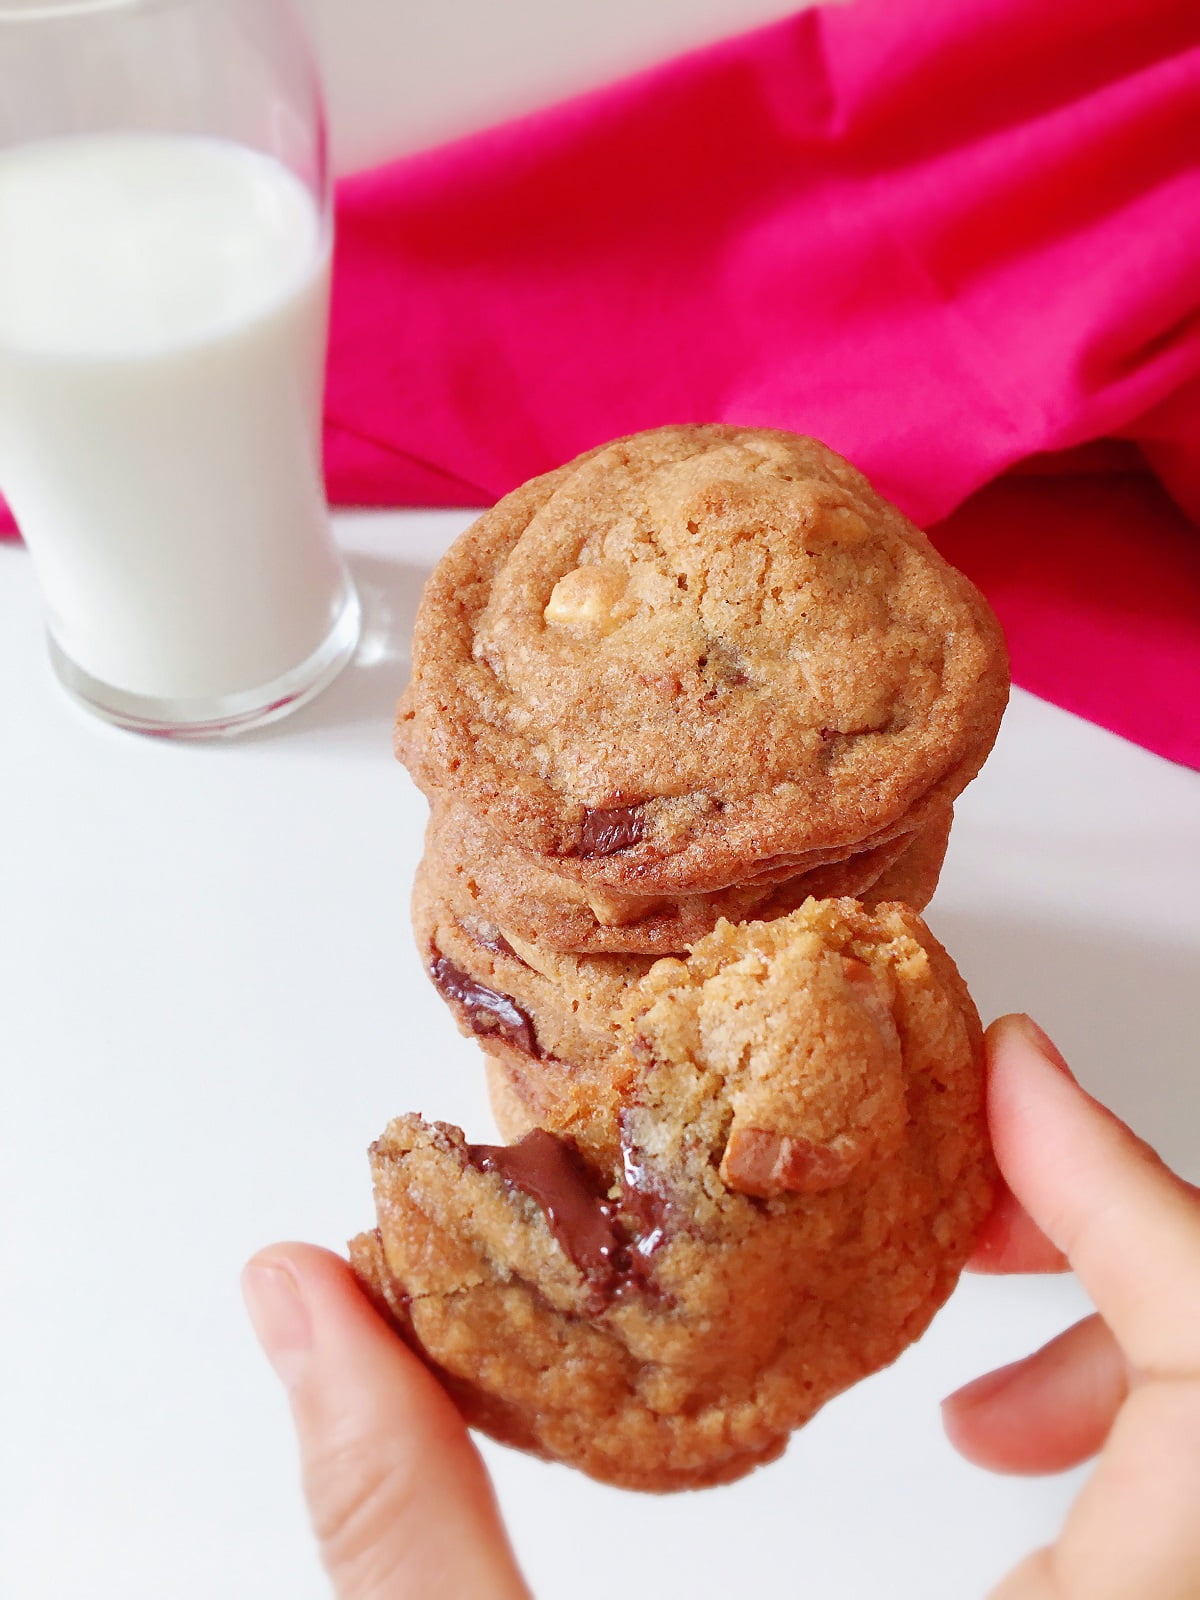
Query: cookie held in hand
x,y
802,1168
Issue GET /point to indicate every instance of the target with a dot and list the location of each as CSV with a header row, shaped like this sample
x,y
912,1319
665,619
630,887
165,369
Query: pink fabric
x,y
943,235
1095,575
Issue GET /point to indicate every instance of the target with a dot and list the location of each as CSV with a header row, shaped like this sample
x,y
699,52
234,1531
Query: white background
x,y
210,1004
401,76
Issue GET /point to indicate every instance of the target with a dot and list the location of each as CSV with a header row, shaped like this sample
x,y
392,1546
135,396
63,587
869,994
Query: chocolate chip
x,y
641,1200
484,1010
493,941
552,1172
606,832
610,1241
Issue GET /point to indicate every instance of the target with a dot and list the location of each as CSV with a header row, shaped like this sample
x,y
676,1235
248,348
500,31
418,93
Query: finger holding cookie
x,y
1124,1382
399,1498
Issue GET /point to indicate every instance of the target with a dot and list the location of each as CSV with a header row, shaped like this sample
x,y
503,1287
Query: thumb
x,y
399,1497
1128,1225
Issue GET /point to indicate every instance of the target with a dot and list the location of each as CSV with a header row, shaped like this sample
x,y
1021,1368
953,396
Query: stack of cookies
x,y
702,673
691,714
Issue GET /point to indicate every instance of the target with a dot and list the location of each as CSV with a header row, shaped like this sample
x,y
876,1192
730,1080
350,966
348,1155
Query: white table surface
x,y
211,1004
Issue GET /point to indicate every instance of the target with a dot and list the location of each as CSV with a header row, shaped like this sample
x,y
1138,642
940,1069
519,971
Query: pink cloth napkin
x,y
945,236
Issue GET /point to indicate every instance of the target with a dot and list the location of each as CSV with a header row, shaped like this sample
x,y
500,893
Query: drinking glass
x,y
165,235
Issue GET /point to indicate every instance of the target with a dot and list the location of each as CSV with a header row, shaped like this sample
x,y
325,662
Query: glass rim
x,y
66,10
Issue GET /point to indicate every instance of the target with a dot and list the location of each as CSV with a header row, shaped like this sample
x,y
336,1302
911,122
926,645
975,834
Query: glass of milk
x,y
164,283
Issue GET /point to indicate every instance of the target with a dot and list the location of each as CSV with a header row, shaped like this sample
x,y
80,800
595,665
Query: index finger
x,y
1128,1225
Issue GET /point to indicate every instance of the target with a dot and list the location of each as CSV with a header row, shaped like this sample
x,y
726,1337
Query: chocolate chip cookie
x,y
802,1168
695,655
527,897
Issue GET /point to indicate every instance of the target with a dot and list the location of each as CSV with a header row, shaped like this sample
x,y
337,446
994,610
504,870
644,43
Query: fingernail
x,y
1042,1042
279,1317
985,1388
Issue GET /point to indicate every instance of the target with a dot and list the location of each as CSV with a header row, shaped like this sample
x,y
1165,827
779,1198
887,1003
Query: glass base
x,y
227,714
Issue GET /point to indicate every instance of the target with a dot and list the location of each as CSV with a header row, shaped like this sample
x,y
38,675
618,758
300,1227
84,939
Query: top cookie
x,y
697,649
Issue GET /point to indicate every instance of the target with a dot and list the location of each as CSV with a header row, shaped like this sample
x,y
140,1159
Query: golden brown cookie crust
x,y
695,649
524,895
913,876
550,1020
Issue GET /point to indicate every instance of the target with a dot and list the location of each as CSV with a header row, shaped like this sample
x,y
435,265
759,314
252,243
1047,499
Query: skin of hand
x,y
1084,1192
402,1506
399,1497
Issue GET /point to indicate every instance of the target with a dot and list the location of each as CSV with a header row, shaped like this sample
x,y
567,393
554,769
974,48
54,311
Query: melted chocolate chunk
x,y
642,1201
588,1226
606,832
552,1172
485,1010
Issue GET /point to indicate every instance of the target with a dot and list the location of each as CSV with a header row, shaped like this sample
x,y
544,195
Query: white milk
x,y
162,338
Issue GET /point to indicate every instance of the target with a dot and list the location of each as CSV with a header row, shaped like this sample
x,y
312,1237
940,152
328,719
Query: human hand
x,y
399,1497
1084,1192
